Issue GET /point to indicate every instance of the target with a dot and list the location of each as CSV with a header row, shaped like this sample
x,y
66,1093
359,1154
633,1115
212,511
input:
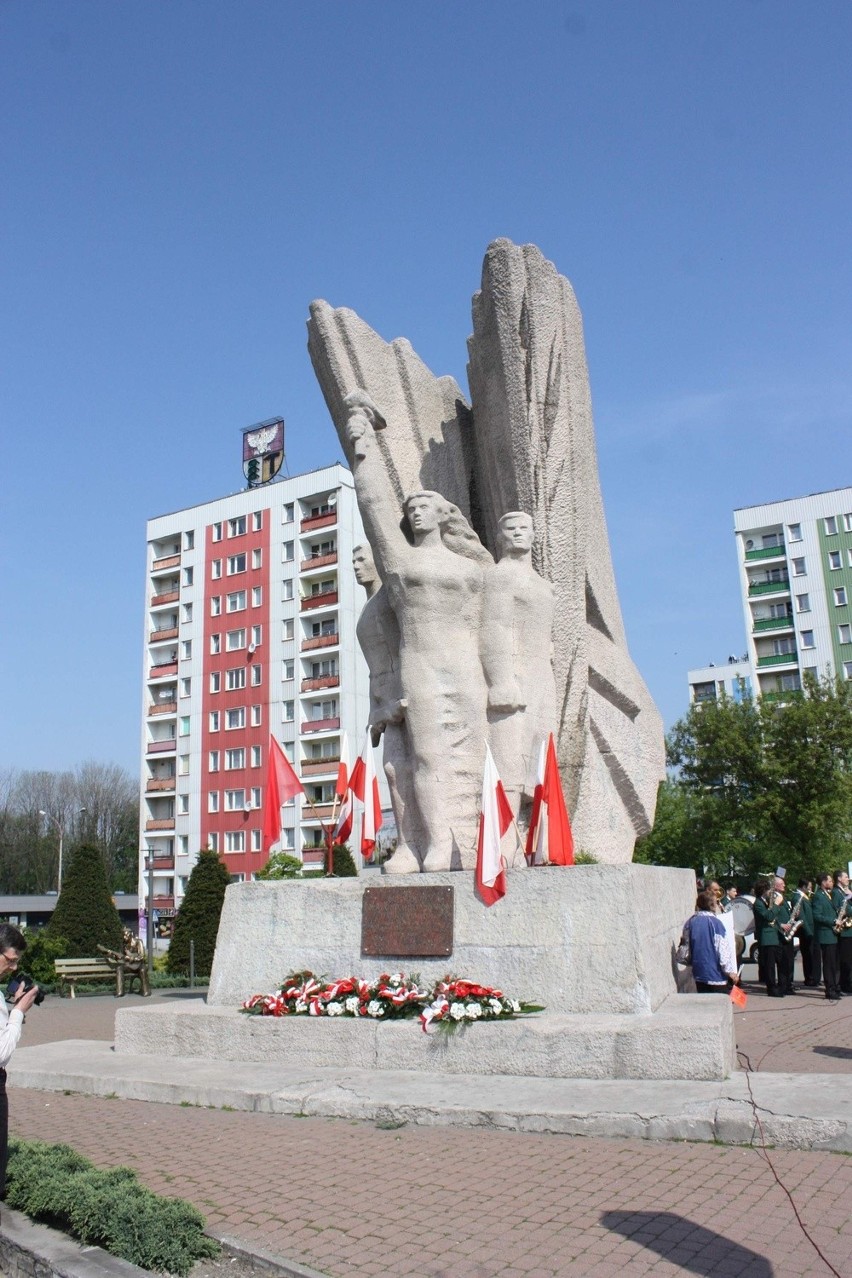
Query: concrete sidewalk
x,y
373,1198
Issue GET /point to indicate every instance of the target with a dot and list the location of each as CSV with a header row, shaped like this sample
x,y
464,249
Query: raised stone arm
x,y
377,501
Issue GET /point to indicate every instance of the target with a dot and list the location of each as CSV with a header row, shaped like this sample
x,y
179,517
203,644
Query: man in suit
x,y
808,945
840,896
825,917
768,914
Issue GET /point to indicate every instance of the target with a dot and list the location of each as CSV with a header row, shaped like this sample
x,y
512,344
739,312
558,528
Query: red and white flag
x,y
364,785
549,838
343,769
494,820
281,784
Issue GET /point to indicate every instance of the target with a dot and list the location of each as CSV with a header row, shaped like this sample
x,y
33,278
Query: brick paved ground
x,y
347,1198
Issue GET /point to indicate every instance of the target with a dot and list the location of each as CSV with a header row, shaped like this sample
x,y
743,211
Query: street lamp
x,y
61,828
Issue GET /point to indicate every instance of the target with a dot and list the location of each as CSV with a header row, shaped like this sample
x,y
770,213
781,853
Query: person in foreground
x,y
12,946
710,952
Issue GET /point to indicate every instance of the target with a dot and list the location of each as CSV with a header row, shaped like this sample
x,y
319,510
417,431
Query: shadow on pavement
x,y
842,1053
695,1249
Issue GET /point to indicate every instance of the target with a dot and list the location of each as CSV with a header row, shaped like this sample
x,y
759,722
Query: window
x,y
323,587
289,670
256,596
215,681
183,804
255,796
257,521
257,635
847,523
234,800
803,603
840,596
799,568
289,835
215,605
784,646
834,559
186,687
847,670
234,640
786,609
213,841
216,569
288,630
214,720
287,589
184,725
187,612
322,669
235,841
217,532
235,718
289,513
328,627
255,840
256,716
237,527
183,765
255,756
256,676
288,710
186,650
256,558
771,540
236,601
830,526
215,644
235,759
323,509
235,678
213,761
844,634
808,639
319,548
794,532
189,540
331,749
790,682
328,709
239,878
236,563
183,850
187,576
287,552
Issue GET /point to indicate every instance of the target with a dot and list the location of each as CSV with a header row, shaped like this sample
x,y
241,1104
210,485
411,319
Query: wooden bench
x,y
69,971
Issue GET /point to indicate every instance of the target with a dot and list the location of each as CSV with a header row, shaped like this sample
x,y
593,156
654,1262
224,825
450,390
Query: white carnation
x,y
472,1011
375,1008
496,1006
351,1004
516,1007
334,1009
301,1005
457,1011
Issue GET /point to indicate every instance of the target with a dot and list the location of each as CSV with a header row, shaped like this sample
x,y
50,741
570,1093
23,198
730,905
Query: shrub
x,y
281,866
198,917
106,1208
342,862
41,953
85,914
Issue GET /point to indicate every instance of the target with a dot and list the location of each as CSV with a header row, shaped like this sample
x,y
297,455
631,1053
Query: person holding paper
x,y
709,948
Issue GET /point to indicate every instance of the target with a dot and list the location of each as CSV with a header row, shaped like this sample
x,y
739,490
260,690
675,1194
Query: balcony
x,y
164,671
159,864
168,746
766,552
319,812
322,681
168,561
321,725
320,641
163,707
788,694
312,855
159,783
769,587
160,636
319,521
772,623
318,561
778,659
319,601
164,903
167,597
161,823
320,767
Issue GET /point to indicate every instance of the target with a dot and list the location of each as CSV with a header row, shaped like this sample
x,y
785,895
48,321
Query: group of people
x,y
820,917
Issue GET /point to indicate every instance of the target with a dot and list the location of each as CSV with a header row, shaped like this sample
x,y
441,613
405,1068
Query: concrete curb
x,y
264,1262
31,1250
796,1111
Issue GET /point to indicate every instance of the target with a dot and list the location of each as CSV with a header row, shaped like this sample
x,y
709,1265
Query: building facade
x,y
733,679
795,562
250,612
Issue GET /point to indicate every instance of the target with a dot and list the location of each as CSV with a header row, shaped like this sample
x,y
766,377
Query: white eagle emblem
x,y
259,440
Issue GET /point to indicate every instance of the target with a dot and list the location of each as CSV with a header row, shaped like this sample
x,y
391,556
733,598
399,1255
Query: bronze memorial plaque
x,y
407,922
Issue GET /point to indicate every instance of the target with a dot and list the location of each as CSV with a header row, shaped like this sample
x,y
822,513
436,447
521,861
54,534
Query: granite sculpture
x,y
443,489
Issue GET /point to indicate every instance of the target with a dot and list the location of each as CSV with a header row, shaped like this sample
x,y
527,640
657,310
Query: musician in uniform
x,y
808,945
729,897
785,931
841,896
769,912
825,918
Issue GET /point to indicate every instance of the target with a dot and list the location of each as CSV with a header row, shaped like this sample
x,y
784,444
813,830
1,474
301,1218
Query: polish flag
x,y
549,839
343,769
281,784
494,820
364,785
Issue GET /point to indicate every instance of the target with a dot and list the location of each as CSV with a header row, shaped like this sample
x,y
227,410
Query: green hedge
x,y
109,1209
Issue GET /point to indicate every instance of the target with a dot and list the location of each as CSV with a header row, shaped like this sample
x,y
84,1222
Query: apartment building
x,y
250,612
733,679
795,562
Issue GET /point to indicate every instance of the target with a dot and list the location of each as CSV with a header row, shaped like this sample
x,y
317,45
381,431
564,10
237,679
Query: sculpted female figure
x,y
434,582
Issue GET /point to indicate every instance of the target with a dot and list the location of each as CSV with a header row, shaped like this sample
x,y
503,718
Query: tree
x,y
198,917
85,915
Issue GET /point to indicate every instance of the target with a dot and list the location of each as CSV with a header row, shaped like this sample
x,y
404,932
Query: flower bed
x,y
448,1003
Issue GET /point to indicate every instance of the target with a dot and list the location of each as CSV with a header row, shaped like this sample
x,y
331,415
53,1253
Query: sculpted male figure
x,y
378,636
516,655
435,584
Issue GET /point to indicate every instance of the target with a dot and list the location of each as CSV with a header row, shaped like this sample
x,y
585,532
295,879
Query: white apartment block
x,y
733,679
250,612
795,562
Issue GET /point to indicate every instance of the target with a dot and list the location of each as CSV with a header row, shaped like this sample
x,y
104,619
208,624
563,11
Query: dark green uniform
x,y
844,941
825,917
766,920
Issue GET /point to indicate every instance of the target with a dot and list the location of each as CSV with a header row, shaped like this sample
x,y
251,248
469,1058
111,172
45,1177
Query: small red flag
x,y
494,820
281,784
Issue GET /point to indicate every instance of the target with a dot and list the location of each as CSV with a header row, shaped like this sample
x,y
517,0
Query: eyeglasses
x,y
12,958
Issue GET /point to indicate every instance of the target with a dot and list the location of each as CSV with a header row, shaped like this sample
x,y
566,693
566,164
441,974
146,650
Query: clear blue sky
x,y
180,179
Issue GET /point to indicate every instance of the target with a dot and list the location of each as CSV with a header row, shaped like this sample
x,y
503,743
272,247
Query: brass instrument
x,y
790,929
841,922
